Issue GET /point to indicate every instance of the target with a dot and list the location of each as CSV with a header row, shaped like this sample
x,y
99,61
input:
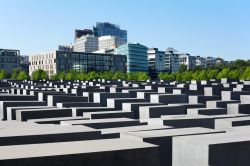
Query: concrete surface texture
x,y
125,123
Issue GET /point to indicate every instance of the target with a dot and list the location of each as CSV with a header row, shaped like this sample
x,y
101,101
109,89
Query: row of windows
x,y
43,56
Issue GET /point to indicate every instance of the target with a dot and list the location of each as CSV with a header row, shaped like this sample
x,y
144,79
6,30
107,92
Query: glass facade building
x,y
9,59
108,29
90,61
137,58
57,61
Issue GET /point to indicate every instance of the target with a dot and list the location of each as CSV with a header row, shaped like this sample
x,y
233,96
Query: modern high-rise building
x,y
137,57
83,32
210,61
156,62
188,60
86,43
66,47
109,42
24,63
172,62
9,59
109,29
56,61
200,61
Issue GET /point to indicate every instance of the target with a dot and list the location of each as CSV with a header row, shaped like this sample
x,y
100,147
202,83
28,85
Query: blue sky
x,y
199,27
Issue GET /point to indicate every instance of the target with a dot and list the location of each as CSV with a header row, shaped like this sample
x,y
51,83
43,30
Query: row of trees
x,y
108,75
74,75
207,74
16,75
239,69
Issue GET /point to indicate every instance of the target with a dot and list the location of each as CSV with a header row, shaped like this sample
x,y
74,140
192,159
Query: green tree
x,y
187,76
142,76
246,74
223,73
202,75
82,75
234,74
119,75
238,64
91,75
178,76
182,68
23,76
15,74
39,75
166,76
3,74
131,76
72,75
212,73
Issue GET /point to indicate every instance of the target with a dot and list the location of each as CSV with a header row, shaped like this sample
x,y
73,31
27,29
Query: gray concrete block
x,y
117,103
108,114
168,98
77,104
196,121
146,112
163,138
105,123
24,115
238,108
134,107
52,100
212,149
220,103
206,111
11,111
13,103
46,134
107,152
102,97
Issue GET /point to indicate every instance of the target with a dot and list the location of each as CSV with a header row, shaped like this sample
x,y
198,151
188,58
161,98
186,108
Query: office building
x,y
187,60
9,59
109,29
210,61
24,63
156,62
200,62
172,62
56,61
110,42
66,47
83,32
137,58
86,43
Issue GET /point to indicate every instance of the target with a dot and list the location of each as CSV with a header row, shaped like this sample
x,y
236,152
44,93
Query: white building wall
x,y
87,43
44,61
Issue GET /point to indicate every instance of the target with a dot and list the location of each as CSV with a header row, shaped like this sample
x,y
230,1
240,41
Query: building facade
x,y
156,62
137,58
86,43
172,62
66,48
109,42
9,59
210,61
188,60
200,61
109,29
83,32
24,63
56,61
